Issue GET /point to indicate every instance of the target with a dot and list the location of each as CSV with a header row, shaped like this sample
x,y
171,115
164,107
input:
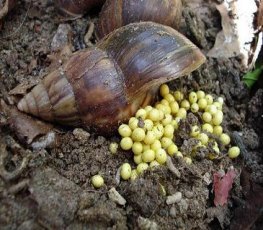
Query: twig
x,y
7,176
172,168
88,35
18,187
118,176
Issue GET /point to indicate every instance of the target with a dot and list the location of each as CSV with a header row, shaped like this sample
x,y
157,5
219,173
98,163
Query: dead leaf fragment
x,y
25,127
222,185
237,35
22,88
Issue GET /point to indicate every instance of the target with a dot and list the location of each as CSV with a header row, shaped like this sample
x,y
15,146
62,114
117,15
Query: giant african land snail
x,y
117,13
102,86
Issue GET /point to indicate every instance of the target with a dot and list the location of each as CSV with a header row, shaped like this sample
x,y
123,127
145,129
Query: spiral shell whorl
x,y
52,100
118,13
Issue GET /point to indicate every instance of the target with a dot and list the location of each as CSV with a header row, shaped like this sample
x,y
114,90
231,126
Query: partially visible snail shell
x,y
117,13
6,6
76,8
105,85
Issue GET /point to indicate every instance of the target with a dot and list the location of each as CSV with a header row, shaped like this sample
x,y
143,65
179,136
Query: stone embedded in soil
x,y
116,197
62,37
56,196
175,198
146,224
81,134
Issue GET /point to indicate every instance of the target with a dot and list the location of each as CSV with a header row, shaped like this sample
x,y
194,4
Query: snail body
x,y
76,8
117,13
102,86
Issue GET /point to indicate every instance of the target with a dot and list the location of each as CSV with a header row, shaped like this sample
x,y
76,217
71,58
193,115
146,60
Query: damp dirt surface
x,y
50,187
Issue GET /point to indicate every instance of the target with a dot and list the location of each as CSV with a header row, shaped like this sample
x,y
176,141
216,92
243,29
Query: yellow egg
x,y
142,167
192,97
195,130
168,131
148,124
203,138
179,154
149,138
207,127
137,148
200,94
166,142
156,145
134,175
126,143
164,102
217,118
161,156
97,181
174,107
158,130
194,108
137,159
167,119
181,113
164,90
188,160
207,117
133,123
148,156
233,152
125,171
154,114
154,164
172,149
113,147
202,103
124,130
169,97
185,104
141,113
209,99
138,134
178,95
218,130
225,139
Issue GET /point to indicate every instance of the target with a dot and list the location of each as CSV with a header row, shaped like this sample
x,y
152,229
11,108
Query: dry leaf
x,y
222,185
238,30
25,127
22,88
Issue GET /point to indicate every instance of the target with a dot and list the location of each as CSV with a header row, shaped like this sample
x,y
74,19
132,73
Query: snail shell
x,y
6,6
117,13
76,8
105,85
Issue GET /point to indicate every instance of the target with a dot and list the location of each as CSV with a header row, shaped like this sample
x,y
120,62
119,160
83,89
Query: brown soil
x,y
53,190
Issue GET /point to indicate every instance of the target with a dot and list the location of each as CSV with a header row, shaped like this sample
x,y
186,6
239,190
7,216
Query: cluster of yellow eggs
x,y
150,134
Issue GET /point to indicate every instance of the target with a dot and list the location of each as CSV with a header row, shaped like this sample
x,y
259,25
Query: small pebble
x,y
116,197
173,212
183,205
145,223
81,134
189,194
62,37
175,198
